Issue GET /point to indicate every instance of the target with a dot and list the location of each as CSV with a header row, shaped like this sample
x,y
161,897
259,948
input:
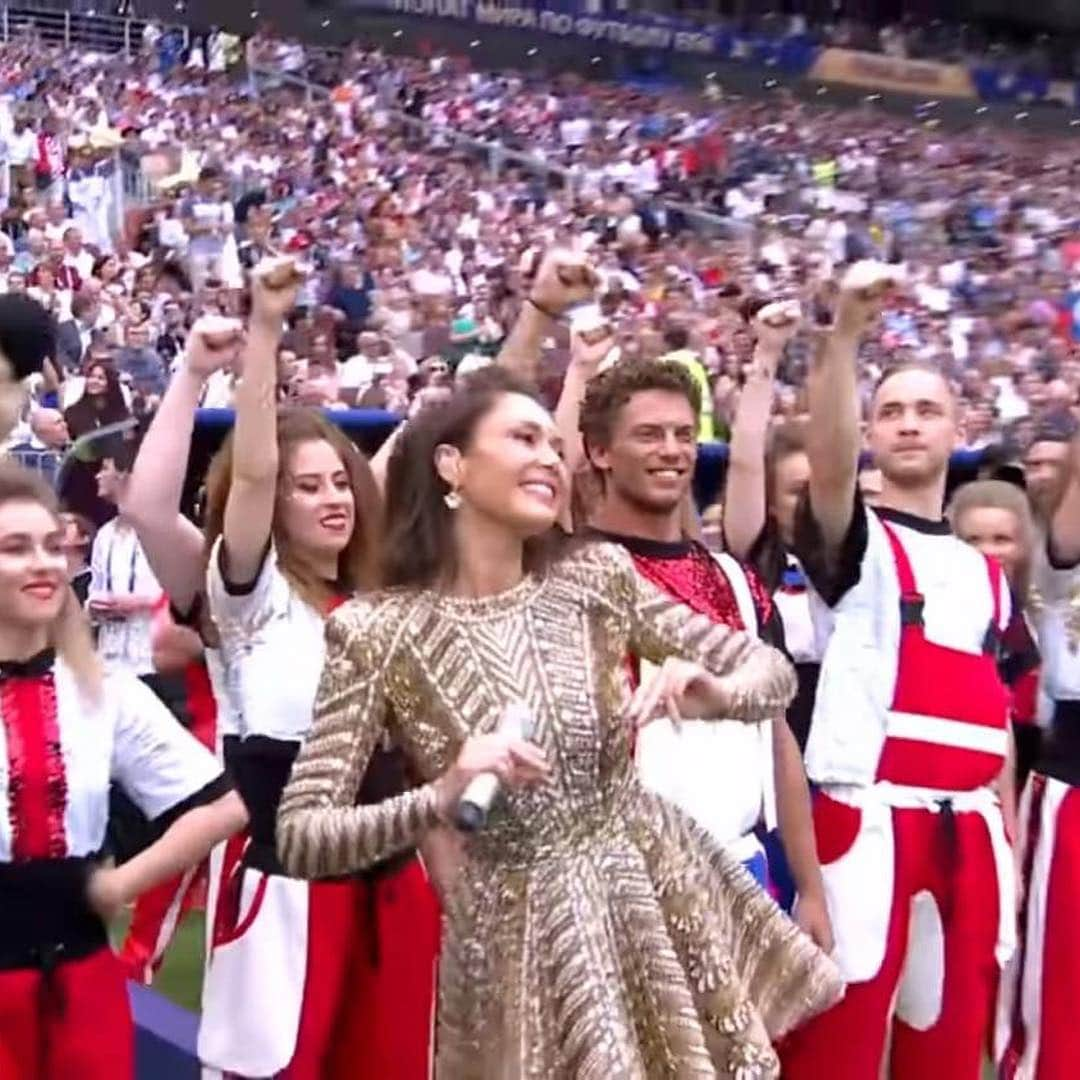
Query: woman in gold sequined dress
x,y
593,931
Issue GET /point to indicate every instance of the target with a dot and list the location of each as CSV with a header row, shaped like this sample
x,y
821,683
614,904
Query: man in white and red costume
x,y
1038,1037
910,729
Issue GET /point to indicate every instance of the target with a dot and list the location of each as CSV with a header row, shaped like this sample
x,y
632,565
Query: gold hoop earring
x,y
452,500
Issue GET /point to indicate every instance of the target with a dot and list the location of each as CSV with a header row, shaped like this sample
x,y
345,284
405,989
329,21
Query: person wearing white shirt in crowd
x,y
208,221
56,221
432,279
21,143
124,593
220,388
7,255
197,56
75,253
357,374
575,132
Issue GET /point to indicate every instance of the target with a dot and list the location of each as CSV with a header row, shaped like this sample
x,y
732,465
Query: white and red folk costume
x,y
909,734
159,911
721,773
306,980
63,999
1038,1037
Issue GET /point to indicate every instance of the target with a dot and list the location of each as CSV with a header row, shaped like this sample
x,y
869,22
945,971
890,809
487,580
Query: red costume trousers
x,y
72,1024
369,998
1043,984
938,966
912,872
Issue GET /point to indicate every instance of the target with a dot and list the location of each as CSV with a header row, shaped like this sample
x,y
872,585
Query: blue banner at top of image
x,y
572,18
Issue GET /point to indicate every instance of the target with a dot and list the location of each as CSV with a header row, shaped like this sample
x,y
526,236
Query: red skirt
x,y
369,999
74,1022
320,980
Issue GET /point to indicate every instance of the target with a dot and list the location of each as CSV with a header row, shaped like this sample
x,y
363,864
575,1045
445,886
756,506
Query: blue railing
x,y
368,428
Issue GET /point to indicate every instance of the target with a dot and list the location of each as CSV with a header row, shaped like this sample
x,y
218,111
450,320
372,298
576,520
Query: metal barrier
x,y
56,23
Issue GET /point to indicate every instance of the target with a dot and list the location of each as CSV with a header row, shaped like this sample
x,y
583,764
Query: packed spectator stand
x,y
419,195
421,192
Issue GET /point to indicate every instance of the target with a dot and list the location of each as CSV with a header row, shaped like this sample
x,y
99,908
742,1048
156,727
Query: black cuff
x,y
192,616
1055,561
208,793
240,588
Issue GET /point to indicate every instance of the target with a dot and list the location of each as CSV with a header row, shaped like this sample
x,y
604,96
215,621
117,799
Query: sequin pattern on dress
x,y
593,932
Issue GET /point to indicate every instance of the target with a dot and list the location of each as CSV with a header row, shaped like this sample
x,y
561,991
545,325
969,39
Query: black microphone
x,y
475,802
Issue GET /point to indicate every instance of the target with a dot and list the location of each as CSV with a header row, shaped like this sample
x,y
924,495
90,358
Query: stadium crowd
x,y
734,249
419,250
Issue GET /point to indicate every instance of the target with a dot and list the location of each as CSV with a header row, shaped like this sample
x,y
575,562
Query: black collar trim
x,y
931,526
648,549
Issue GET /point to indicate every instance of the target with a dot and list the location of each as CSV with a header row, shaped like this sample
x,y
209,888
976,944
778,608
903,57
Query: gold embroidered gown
x,y
594,932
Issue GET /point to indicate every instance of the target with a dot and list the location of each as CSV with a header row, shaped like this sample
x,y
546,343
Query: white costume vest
x,y
720,772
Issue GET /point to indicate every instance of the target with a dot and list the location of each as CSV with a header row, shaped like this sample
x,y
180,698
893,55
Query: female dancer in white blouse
x,y
65,732
335,977
174,548
766,478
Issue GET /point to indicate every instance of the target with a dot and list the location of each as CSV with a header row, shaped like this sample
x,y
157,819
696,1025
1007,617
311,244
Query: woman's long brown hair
x,y
358,563
69,633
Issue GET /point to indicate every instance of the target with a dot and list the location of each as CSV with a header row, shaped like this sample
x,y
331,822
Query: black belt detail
x,y
948,849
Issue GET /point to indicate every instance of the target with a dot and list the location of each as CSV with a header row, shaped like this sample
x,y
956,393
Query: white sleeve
x,y
157,763
246,606
98,557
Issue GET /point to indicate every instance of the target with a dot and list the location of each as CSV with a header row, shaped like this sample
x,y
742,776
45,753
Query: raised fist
x,y
213,343
274,287
563,279
775,325
862,294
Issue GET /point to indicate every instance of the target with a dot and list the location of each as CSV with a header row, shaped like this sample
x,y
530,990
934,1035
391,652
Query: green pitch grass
x,y
180,977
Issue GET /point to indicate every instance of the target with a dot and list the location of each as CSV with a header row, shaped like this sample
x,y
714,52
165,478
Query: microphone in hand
x,y
488,762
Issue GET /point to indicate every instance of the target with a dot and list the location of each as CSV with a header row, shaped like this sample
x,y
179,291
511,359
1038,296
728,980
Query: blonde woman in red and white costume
x,y
1038,1037
307,980
910,730
66,731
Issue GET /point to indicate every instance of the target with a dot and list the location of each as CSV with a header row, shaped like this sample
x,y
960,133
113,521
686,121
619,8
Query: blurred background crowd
x,y
420,192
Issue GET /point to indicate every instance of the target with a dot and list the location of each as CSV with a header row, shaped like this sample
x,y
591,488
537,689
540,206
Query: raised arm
x,y
249,510
744,497
563,279
173,544
833,436
585,360
1065,524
